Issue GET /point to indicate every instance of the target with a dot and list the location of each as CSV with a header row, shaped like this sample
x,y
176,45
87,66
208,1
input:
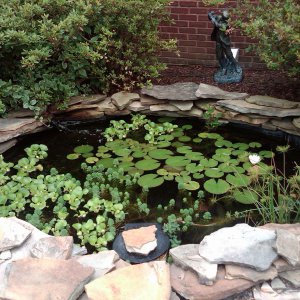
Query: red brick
x,y
188,17
174,16
196,50
179,10
188,3
187,43
199,11
198,24
169,29
188,30
181,24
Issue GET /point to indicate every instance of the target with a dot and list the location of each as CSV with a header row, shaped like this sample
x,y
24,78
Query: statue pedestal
x,y
232,74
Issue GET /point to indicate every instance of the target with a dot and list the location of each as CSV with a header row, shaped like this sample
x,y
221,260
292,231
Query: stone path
x,y
35,266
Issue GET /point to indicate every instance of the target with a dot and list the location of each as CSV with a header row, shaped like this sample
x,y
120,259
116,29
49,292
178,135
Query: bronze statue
x,y
230,71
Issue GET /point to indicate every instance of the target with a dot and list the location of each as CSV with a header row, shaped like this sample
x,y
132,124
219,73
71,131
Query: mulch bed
x,y
256,82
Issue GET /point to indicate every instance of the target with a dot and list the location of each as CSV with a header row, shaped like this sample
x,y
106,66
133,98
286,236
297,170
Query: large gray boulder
x,y
242,245
271,102
182,91
123,99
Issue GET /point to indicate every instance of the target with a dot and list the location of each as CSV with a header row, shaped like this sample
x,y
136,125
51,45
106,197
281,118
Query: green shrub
x,y
275,27
53,49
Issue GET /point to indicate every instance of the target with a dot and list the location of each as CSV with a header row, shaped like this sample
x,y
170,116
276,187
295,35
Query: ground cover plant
x,y
138,157
51,50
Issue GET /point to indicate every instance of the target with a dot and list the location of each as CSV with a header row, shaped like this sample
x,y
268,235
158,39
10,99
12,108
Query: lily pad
x,y
197,140
102,149
255,145
177,161
194,155
184,138
209,163
216,187
187,127
209,135
106,162
122,152
126,165
86,155
223,143
166,137
73,156
160,153
150,181
133,171
166,119
103,155
241,146
178,133
245,197
221,157
183,179
139,154
92,160
191,185
147,164
266,154
238,180
198,175
194,168
162,172
83,149
184,149
177,144
213,173
163,144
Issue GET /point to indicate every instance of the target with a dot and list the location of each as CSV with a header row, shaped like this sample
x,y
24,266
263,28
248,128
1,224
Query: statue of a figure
x,y
230,71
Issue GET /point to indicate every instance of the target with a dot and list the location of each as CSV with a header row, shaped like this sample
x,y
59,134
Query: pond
x,y
182,176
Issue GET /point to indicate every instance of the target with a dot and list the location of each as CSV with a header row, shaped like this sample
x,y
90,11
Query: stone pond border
x,y
186,99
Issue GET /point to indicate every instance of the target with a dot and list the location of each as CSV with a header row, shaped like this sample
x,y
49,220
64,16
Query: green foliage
x,y
211,117
51,50
275,27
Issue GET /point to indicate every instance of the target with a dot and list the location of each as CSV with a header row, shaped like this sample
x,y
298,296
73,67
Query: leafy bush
x,y
51,50
275,27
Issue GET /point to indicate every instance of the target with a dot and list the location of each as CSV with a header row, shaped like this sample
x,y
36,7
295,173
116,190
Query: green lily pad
x,y
150,181
177,144
255,145
198,175
221,157
213,173
162,172
86,155
184,138
216,187
106,162
266,154
178,133
245,197
183,179
191,185
223,143
177,161
194,155
224,151
139,154
166,119
166,137
169,177
226,167
238,180
209,135
187,127
247,165
102,149
237,152
163,144
126,165
193,168
197,140
133,171
147,164
240,146
73,156
184,149
83,149
103,155
208,163
122,152
160,153
92,160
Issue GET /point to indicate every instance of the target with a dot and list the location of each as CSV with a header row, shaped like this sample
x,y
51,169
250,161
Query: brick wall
x,y
192,29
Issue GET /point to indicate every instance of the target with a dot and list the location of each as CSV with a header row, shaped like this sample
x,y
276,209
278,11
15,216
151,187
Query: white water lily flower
x,y
254,159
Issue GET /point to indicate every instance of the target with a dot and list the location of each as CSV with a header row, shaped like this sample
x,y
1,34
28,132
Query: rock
x,y
183,105
292,277
186,283
288,245
43,279
213,92
117,113
281,265
102,262
161,107
283,124
249,118
271,102
121,264
164,113
78,250
296,122
268,126
253,245
204,104
107,106
5,255
148,281
123,99
59,247
233,272
12,234
266,288
147,100
137,106
174,296
21,113
91,99
141,241
286,295
182,91
14,124
81,115
244,107
7,145
187,256
77,107
194,112
277,284
30,127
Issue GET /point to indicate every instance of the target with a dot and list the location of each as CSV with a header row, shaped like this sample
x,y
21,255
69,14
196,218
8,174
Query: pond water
x,y
190,145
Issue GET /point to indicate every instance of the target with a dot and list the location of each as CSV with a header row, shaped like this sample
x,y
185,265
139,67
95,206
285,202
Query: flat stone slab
x,y
147,100
282,265
267,293
102,262
283,124
44,279
148,281
106,106
12,234
137,106
123,99
7,145
187,256
183,105
233,272
14,124
208,91
163,107
244,107
296,122
242,245
194,112
186,283
182,91
292,277
59,247
271,102
83,114
91,99
141,240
